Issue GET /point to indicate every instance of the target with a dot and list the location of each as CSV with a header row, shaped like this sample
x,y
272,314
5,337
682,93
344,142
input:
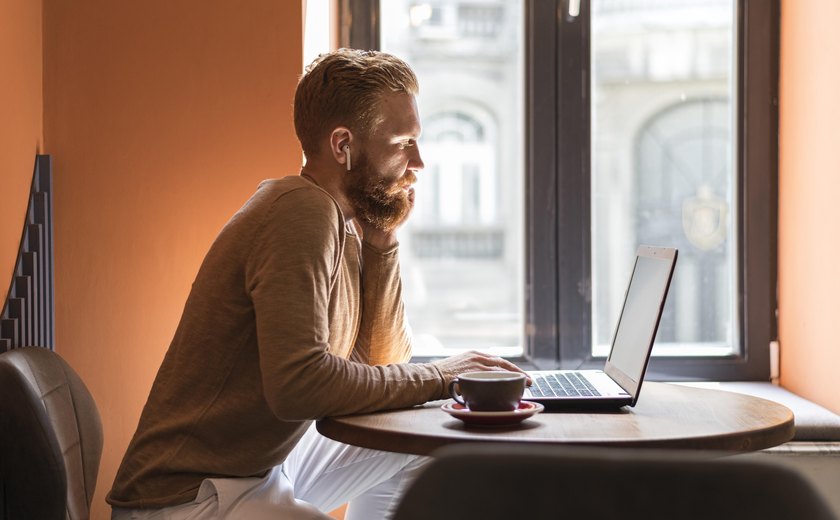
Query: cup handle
x,y
454,394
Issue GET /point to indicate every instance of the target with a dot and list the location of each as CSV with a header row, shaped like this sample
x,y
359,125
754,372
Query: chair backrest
x,y
51,438
493,482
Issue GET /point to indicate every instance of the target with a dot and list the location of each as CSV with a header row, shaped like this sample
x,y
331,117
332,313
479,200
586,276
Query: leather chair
x,y
501,482
51,438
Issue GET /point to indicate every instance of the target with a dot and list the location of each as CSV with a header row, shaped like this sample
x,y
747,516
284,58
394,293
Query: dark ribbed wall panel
x,y
27,317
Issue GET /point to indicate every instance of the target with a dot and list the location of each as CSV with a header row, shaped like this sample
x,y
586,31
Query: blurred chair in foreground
x,y
493,481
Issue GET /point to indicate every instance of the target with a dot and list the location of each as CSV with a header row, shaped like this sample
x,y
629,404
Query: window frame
x,y
557,172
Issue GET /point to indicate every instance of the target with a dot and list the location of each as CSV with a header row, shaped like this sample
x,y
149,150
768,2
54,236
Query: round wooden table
x,y
666,416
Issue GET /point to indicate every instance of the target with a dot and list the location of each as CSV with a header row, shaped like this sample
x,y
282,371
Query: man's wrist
x,y
383,241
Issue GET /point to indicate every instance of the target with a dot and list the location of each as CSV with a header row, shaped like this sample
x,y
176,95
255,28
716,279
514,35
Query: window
x,y
463,249
557,140
318,18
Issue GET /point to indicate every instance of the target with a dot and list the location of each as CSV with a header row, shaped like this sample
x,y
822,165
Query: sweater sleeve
x,y
384,336
289,275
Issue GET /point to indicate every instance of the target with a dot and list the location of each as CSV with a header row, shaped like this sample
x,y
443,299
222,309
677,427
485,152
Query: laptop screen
x,y
640,315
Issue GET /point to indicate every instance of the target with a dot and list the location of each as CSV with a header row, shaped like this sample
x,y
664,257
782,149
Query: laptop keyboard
x,y
561,385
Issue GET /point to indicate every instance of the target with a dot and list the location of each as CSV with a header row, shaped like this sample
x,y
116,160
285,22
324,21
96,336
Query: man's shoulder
x,y
296,191
296,202
287,200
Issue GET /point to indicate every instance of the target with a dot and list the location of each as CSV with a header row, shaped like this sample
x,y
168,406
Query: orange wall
x,y
21,121
162,118
809,200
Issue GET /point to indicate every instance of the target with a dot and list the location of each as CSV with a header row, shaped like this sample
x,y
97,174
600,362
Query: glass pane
x,y
663,148
462,249
318,18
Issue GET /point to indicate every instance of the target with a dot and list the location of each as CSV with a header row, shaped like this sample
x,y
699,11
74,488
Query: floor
x,y
338,514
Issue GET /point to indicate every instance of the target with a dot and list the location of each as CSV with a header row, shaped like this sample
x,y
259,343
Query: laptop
x,y
620,382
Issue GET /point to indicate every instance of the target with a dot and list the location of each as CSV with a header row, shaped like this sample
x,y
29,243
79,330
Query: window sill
x,y
813,423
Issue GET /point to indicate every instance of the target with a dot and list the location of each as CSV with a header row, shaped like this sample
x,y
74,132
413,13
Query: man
x,y
294,315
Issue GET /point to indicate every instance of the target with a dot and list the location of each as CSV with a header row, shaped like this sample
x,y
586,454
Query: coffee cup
x,y
491,391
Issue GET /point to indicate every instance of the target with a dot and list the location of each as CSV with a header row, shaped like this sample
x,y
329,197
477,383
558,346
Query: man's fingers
x,y
473,360
501,363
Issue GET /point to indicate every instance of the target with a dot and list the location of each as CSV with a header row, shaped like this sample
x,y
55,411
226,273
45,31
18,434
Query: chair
x,y
495,482
51,438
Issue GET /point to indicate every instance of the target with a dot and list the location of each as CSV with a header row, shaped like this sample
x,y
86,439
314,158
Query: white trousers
x,y
318,476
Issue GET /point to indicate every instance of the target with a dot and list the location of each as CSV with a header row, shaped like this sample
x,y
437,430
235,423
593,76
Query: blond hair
x,y
343,88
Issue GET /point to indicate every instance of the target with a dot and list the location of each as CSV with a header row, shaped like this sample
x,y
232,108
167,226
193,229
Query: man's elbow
x,y
291,407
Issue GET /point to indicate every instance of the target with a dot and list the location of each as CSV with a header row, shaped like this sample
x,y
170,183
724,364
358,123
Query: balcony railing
x,y
472,243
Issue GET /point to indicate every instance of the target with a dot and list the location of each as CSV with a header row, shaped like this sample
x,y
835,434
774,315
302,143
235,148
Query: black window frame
x,y
557,150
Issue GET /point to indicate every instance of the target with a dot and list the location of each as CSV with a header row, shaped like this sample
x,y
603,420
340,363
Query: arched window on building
x,y
459,214
684,193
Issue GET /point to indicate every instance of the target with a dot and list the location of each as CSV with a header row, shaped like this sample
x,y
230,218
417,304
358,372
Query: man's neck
x,y
331,182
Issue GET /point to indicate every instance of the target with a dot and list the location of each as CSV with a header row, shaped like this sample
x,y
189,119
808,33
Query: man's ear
x,y
341,147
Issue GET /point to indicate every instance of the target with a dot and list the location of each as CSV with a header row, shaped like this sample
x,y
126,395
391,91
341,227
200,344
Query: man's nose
x,y
416,162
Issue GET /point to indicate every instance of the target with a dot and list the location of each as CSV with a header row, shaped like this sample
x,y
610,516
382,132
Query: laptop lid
x,y
638,323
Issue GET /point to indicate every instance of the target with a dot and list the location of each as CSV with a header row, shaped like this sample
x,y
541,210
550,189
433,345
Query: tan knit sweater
x,y
291,318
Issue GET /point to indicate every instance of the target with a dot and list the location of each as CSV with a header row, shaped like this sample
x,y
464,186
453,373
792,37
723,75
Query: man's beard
x,y
382,203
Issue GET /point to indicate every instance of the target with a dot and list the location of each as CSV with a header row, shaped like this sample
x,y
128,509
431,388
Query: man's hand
x,y
473,361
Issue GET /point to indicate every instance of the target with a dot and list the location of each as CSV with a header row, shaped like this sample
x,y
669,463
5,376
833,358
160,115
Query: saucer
x,y
526,409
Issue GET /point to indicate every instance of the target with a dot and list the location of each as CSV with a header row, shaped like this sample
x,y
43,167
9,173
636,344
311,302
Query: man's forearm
x,y
383,334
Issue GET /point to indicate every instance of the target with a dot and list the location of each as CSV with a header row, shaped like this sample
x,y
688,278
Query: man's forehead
x,y
399,115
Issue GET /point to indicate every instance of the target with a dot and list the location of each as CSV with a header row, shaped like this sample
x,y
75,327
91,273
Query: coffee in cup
x,y
490,391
